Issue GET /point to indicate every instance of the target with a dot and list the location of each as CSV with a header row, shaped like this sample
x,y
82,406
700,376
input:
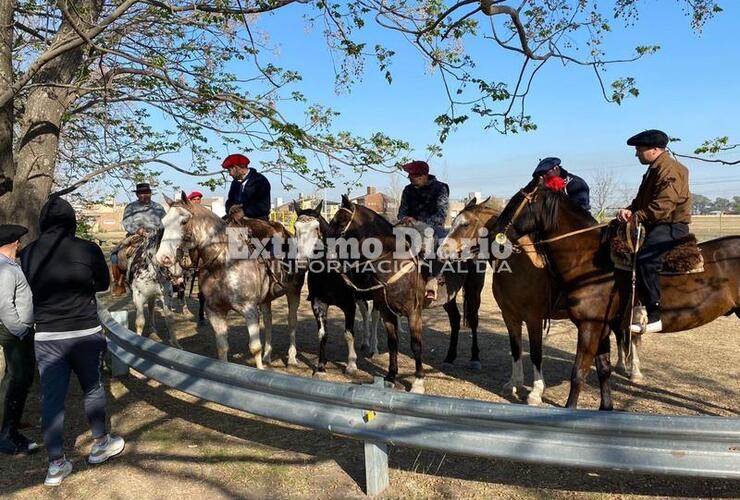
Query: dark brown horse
x,y
397,284
524,290
598,296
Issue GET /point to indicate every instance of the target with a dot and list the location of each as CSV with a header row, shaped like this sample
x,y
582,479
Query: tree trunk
x,y
37,147
7,8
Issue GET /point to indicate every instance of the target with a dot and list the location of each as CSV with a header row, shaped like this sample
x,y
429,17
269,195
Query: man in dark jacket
x,y
576,188
425,200
663,206
16,339
249,191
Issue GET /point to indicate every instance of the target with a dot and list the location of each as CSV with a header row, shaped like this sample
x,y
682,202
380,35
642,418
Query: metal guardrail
x,y
673,445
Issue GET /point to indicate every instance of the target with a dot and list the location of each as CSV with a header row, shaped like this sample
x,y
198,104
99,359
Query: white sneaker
x,y
112,446
58,470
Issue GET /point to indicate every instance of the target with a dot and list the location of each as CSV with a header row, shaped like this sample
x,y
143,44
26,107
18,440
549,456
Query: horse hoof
x,y
476,366
636,378
319,375
510,388
292,362
351,369
418,386
534,399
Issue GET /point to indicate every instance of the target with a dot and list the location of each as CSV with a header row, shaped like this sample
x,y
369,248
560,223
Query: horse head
x,y
467,227
184,230
310,231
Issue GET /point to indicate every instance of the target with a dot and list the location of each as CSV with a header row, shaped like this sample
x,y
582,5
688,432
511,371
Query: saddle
x,y
127,247
684,258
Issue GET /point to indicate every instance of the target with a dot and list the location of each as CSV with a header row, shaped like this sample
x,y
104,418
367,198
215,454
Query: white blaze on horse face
x,y
173,223
307,239
450,246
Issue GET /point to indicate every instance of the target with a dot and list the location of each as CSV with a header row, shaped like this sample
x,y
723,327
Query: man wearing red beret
x,y
425,200
249,191
196,197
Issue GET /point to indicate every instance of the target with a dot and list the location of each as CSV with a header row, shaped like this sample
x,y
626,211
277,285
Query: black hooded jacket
x,y
64,272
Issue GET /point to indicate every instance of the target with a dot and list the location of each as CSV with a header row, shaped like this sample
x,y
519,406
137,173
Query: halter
x,y
351,219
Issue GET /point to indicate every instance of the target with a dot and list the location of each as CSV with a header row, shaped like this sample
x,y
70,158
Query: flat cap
x,y
546,165
10,233
649,138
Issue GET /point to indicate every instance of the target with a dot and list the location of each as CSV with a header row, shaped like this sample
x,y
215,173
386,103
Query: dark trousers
x,y
57,359
20,367
660,239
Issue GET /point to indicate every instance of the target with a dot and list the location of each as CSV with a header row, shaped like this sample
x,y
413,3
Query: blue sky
x,y
686,89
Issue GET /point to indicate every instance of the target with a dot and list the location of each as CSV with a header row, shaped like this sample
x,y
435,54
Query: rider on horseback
x,y
140,218
663,206
425,200
556,177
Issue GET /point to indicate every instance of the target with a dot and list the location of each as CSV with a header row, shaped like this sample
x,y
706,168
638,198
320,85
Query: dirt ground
x,y
180,446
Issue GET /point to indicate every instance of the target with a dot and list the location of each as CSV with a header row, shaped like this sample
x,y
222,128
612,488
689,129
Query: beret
x,y
649,138
10,233
234,160
195,194
416,167
545,165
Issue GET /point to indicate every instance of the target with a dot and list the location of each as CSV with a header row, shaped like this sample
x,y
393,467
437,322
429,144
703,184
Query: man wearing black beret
x,y
663,206
556,177
16,338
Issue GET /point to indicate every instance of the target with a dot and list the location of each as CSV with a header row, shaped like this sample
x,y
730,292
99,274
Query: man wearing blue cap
x,y
555,176
16,338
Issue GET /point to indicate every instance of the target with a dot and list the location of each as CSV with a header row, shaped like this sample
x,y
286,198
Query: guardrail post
x,y
376,461
117,367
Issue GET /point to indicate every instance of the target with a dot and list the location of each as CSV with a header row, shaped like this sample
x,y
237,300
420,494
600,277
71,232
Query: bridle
x,y
525,203
351,219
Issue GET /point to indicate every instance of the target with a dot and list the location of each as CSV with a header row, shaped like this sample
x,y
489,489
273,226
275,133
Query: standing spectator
x,y
16,338
64,273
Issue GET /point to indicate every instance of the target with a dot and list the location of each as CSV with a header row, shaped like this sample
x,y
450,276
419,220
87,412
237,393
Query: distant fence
x,y
674,445
706,227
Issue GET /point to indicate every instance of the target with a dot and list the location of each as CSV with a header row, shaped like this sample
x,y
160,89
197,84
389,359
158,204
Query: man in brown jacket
x,y
663,206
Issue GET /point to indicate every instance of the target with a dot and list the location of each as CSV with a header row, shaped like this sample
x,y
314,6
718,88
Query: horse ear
x,y
473,201
491,202
168,200
295,206
345,201
319,206
184,197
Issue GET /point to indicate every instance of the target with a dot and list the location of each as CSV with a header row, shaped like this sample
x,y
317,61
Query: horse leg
x,y
150,314
221,330
604,370
471,306
621,357
266,310
375,320
588,343
294,298
415,331
514,326
252,317
391,324
454,316
201,307
166,315
349,337
534,331
319,312
636,375
139,304
365,330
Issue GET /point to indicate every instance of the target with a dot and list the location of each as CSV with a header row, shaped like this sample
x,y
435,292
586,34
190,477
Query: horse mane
x,y
383,225
551,204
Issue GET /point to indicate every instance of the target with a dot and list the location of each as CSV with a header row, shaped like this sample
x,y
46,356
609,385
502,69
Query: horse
x,y
149,282
598,296
398,290
326,288
245,285
525,292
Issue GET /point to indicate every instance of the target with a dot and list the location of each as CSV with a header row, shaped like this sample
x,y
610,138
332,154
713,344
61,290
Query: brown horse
x,y
598,296
246,285
397,284
524,291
